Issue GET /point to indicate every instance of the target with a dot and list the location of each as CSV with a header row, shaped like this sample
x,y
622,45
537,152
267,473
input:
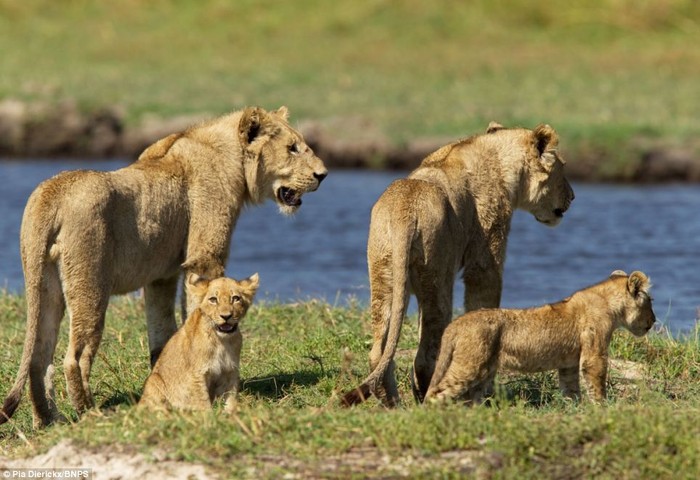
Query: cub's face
x,y
639,315
224,301
287,168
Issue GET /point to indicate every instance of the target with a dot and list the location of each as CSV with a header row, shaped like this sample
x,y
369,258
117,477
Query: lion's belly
x,y
538,354
139,261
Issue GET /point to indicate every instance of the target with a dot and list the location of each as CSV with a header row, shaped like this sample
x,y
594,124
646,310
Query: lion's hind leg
x,y
465,385
463,372
51,310
87,305
386,390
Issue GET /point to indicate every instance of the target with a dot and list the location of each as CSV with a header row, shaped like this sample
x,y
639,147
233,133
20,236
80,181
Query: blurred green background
x,y
604,73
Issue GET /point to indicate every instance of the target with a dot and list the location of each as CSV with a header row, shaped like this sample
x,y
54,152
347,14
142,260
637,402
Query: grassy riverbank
x,y
296,358
616,78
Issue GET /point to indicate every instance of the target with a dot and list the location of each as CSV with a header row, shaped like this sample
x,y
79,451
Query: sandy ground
x,y
118,463
105,463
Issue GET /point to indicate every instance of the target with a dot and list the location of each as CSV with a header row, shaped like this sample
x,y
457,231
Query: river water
x,y
320,252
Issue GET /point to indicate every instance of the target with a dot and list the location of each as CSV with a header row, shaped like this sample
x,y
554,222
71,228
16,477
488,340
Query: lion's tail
x,y
401,245
39,230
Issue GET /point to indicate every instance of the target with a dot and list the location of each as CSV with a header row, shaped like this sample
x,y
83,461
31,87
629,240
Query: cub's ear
x,y
638,283
494,127
250,125
618,273
250,284
196,285
283,112
545,138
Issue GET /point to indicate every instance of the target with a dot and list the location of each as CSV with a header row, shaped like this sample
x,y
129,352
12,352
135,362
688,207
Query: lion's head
x,y
638,315
279,164
547,193
223,301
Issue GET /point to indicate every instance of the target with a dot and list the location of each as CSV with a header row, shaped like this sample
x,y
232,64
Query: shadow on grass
x,y
273,387
537,392
121,398
277,386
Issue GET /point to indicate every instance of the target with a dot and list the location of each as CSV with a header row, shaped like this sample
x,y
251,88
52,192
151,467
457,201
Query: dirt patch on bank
x,y
63,130
117,463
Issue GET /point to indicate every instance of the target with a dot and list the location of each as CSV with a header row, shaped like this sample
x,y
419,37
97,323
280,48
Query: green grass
x,y
603,74
295,360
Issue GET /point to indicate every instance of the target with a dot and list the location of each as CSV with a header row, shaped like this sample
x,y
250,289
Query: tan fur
x,y
200,363
87,235
452,213
570,336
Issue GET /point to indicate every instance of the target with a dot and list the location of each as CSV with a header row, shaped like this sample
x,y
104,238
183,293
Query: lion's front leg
x,y
230,397
208,238
196,396
160,314
595,371
594,364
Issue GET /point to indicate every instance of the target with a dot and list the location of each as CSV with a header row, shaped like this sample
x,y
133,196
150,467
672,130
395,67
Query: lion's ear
x,y
545,138
618,273
283,112
638,282
494,127
250,284
250,125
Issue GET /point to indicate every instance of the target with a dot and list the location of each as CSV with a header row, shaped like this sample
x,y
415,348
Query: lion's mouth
x,y
227,328
289,196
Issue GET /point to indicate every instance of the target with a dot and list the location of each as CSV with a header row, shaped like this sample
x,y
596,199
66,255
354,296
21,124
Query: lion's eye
x,y
235,299
294,148
213,300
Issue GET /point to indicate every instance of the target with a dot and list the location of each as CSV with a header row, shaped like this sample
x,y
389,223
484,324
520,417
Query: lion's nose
x,y
226,317
320,176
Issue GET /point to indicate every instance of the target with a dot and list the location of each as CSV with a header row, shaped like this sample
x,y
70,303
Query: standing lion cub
x,y
571,336
200,363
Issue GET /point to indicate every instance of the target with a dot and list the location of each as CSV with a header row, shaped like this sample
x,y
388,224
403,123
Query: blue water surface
x,y
321,251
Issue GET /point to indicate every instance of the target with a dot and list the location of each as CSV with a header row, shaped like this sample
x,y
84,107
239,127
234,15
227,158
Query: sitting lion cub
x,y
201,361
571,335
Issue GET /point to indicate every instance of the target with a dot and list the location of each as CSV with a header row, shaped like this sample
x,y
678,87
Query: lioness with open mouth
x,y
87,235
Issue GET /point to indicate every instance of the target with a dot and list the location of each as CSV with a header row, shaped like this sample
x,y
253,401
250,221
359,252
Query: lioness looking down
x,y
452,213
86,235
201,362
570,336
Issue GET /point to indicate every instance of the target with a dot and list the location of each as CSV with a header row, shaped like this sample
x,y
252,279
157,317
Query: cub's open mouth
x,y
227,328
289,196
